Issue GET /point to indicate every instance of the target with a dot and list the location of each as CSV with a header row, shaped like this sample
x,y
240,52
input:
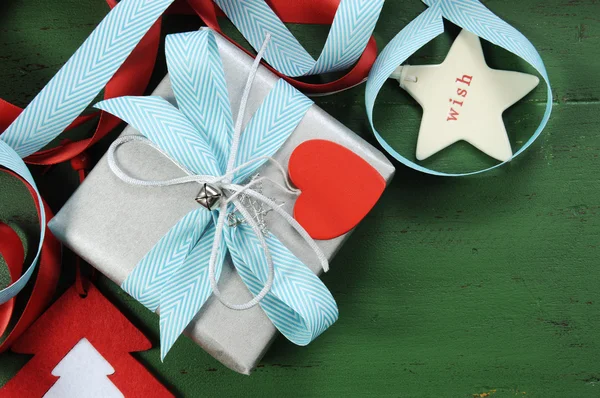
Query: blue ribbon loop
x,y
467,14
173,275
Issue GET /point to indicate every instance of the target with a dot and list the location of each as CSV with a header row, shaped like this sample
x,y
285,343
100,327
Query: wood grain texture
x,y
474,287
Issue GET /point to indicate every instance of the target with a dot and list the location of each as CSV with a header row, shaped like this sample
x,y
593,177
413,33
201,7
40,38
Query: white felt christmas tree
x,y
83,373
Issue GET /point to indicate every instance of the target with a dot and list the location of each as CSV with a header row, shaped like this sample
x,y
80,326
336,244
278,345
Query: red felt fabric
x,y
65,323
338,188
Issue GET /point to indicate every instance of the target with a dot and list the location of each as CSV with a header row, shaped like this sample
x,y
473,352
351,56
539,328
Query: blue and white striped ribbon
x,y
352,27
467,14
174,275
69,92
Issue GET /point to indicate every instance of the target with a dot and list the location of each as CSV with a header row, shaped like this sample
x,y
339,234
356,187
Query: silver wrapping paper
x,y
112,225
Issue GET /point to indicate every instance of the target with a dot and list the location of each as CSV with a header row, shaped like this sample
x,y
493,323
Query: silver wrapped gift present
x,y
112,225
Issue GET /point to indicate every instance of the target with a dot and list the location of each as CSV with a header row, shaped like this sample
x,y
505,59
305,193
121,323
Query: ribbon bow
x,y
179,273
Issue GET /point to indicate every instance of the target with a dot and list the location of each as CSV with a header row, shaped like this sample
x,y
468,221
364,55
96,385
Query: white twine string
x,y
231,194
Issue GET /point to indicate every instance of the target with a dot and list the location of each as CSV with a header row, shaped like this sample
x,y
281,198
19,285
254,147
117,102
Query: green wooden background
x,y
473,287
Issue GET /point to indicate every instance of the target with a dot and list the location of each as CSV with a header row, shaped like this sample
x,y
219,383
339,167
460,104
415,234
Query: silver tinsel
x,y
256,208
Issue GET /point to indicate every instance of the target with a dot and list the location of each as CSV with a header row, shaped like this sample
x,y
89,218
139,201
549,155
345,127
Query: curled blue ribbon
x,y
174,275
467,14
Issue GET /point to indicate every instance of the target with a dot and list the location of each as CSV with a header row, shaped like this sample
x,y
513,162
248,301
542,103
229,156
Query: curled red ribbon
x,y
11,249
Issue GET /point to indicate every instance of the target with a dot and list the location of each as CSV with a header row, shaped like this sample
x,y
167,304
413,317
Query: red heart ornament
x,y
338,188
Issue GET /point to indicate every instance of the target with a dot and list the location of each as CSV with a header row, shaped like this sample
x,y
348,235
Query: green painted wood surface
x,y
450,287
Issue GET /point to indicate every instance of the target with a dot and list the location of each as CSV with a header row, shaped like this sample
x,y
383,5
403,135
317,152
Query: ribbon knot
x,y
181,271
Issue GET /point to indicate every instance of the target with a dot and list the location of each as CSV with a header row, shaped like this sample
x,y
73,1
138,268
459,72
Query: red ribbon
x,y
11,249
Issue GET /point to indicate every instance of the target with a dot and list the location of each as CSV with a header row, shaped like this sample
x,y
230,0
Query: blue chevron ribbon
x,y
352,26
173,276
467,14
69,92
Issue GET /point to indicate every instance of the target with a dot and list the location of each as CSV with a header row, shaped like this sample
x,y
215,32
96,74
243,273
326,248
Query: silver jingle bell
x,y
209,196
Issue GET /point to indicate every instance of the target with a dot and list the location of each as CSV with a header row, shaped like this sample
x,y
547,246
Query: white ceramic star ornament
x,y
463,99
